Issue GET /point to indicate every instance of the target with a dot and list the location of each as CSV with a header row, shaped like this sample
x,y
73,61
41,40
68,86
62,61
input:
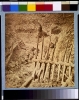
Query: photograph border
x,y
3,50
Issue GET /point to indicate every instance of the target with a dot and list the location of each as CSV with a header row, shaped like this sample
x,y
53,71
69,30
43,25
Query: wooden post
x,y
58,72
65,51
53,50
40,74
37,45
69,60
42,46
37,50
70,53
48,47
48,65
53,66
27,83
63,73
44,70
64,59
59,66
49,70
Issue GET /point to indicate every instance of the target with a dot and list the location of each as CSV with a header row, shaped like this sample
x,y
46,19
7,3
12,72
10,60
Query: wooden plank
x,y
37,45
34,72
63,73
53,62
53,51
64,67
47,67
70,53
64,60
69,80
49,70
66,76
69,60
49,64
27,83
42,46
69,71
41,71
58,72
48,47
65,52
53,67
38,68
44,69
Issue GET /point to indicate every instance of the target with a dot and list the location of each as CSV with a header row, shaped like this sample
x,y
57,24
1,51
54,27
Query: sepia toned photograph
x,y
39,50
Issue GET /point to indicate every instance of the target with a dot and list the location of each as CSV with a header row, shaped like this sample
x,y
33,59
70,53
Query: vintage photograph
x,y
39,50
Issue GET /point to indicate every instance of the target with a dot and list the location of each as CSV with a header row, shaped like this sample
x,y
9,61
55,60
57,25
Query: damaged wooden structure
x,y
47,64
